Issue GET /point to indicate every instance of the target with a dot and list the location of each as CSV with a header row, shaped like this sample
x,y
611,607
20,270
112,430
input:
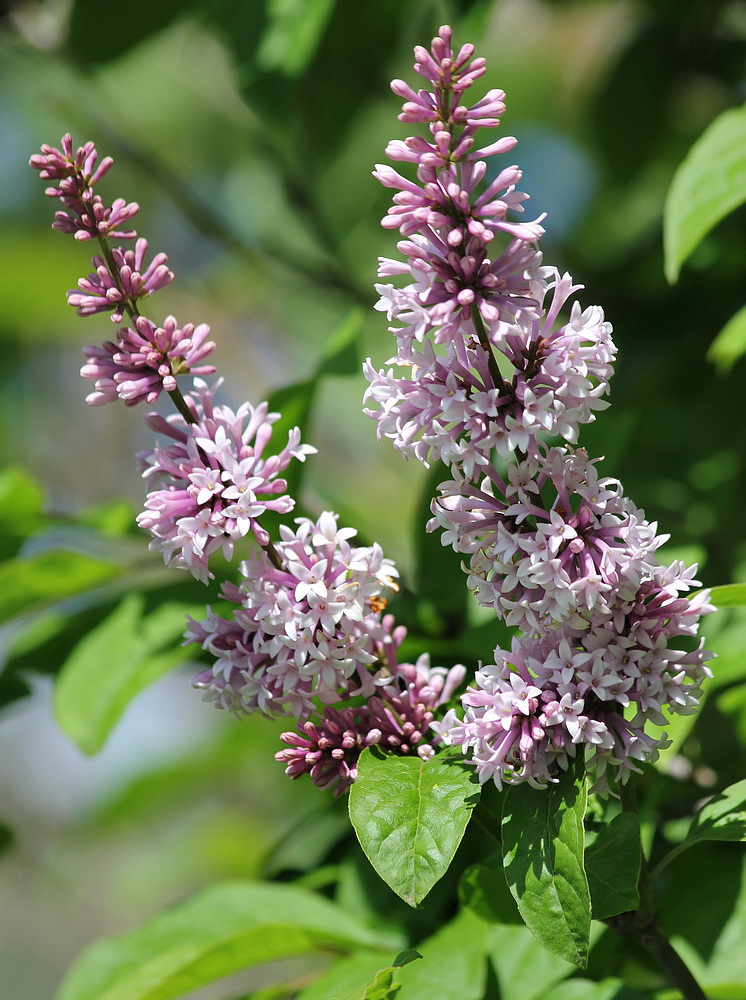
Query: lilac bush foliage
x,y
491,372
496,360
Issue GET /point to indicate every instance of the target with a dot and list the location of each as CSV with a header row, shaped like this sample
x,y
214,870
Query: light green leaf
x,y
612,865
296,27
223,929
112,664
543,840
28,583
710,183
453,964
722,818
730,343
729,595
410,816
341,354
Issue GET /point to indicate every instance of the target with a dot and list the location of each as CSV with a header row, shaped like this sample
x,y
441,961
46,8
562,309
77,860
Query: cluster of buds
x,y
487,373
306,636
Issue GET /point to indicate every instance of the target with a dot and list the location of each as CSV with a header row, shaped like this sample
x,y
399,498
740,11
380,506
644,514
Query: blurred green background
x,y
247,131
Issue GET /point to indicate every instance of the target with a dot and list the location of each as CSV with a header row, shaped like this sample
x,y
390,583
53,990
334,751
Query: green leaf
x,y
524,969
729,595
225,928
49,576
612,865
345,979
710,183
730,343
722,818
605,989
543,856
112,664
121,29
341,355
21,508
410,815
293,34
484,890
453,964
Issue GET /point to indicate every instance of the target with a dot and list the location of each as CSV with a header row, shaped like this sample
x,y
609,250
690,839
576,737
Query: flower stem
x,y
481,333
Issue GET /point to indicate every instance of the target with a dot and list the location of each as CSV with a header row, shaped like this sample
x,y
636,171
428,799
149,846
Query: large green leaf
x,y
710,183
453,964
525,970
729,595
612,864
21,508
410,816
112,664
543,840
223,929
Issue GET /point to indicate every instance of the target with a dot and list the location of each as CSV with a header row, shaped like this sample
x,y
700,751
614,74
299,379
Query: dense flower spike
x,y
491,374
306,624
104,291
215,480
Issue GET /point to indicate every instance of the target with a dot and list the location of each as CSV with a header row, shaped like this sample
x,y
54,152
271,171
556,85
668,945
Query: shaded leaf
x,y
543,839
484,890
410,815
121,29
612,865
699,197
223,929
341,355
524,969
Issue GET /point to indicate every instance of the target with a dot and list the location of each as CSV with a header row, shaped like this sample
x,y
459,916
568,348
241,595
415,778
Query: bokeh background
x,y
247,131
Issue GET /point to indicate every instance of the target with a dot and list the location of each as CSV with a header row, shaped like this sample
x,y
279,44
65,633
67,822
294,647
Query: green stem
x,y
481,333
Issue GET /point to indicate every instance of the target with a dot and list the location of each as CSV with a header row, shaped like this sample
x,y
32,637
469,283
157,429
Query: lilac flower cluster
x,y
492,374
304,630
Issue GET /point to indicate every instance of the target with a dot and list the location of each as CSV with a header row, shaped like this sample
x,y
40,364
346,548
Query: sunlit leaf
x,y
48,576
112,664
453,964
722,818
729,595
410,815
223,929
710,183
730,343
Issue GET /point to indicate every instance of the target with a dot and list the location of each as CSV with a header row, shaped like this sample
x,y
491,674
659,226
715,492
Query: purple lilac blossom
x,y
307,627
491,374
103,291
145,360
214,479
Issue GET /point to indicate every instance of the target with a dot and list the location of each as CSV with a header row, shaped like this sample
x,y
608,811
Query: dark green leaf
x,y
484,890
524,968
542,833
612,864
439,579
223,929
6,837
410,815
112,664
119,28
700,196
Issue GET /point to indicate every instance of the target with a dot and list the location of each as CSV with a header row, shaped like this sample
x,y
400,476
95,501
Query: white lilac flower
x,y
306,625
215,479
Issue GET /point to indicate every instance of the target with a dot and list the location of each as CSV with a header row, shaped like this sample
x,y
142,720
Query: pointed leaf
x,y
612,865
729,595
710,183
722,818
410,816
543,839
223,929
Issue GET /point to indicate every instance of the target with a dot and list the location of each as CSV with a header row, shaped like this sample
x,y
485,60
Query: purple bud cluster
x,y
302,631
489,372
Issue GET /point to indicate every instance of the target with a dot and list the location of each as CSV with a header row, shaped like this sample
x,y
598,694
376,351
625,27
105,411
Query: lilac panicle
x,y
103,291
489,372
